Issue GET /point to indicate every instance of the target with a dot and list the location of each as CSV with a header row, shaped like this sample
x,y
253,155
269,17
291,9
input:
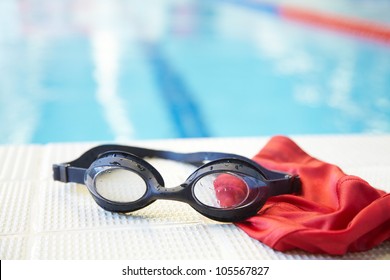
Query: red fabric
x,y
335,214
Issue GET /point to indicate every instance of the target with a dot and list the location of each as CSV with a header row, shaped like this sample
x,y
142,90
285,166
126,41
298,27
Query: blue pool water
x,y
119,70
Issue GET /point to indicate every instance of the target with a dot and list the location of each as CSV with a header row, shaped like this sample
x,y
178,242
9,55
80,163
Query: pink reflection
x,y
230,190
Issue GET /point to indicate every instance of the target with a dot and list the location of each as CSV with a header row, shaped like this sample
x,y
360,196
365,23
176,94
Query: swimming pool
x,y
120,70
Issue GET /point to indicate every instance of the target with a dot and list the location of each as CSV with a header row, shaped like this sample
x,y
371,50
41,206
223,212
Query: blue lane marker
x,y
255,5
183,109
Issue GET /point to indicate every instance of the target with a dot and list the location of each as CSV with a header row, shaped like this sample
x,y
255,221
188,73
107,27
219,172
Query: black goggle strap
x,y
74,171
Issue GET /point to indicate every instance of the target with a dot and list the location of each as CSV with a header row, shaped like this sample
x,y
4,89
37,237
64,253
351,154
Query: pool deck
x,y
43,219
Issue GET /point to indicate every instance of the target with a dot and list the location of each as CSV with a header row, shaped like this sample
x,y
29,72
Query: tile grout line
x,y
34,217
106,228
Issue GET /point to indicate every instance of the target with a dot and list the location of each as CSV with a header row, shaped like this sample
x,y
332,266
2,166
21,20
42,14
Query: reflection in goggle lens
x,y
225,190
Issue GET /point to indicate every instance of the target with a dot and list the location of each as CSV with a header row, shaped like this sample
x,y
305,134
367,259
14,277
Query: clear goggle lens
x,y
227,190
120,185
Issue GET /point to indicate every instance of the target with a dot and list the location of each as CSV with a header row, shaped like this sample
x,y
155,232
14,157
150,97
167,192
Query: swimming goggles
x,y
224,187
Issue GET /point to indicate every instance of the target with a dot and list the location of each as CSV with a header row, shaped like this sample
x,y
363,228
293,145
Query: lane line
x,y
344,24
184,110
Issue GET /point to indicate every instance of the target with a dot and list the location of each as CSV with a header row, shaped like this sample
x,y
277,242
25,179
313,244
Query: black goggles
x,y
224,187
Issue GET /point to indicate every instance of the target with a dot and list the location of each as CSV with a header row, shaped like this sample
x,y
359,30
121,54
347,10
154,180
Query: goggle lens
x,y
226,190
120,185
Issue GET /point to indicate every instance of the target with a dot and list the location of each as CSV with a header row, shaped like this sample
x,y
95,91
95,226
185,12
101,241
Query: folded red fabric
x,y
335,214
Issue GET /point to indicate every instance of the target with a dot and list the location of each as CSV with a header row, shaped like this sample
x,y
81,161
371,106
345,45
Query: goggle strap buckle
x,y
60,172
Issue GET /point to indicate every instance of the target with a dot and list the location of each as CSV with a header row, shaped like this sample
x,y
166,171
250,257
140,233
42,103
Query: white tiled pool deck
x,y
43,219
